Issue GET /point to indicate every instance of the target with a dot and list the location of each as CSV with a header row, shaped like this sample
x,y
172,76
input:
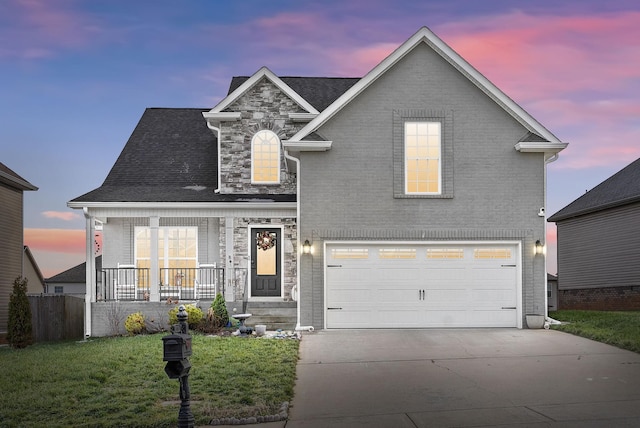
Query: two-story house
x,y
411,197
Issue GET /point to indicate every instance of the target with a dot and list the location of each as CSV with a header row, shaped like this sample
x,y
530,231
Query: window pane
x,y
266,263
265,164
422,157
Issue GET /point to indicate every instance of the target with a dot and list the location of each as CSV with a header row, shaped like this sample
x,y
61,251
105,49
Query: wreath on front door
x,y
266,240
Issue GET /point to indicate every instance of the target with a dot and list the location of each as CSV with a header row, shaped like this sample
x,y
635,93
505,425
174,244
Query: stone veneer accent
x,y
263,107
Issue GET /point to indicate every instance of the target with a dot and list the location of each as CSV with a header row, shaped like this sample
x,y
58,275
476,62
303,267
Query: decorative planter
x,y
535,321
261,329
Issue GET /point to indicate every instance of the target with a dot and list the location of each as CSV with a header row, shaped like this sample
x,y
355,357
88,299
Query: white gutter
x,y
217,131
554,157
299,255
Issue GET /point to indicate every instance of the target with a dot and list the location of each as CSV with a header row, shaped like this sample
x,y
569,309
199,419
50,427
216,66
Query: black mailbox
x,y
177,347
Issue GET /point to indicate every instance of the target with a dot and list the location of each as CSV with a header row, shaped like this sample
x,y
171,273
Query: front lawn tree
x,y
19,328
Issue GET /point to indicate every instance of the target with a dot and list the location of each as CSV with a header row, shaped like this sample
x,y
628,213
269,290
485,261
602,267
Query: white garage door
x,y
421,285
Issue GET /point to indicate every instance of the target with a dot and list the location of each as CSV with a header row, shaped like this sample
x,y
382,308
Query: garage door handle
x,y
508,307
334,265
508,265
334,309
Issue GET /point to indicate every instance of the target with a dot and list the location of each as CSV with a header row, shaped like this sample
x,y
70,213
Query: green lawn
x,y
621,329
121,381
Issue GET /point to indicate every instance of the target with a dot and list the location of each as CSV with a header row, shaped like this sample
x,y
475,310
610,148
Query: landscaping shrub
x,y
194,314
19,328
135,324
220,314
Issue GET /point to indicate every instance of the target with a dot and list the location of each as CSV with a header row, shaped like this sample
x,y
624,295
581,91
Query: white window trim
x,y
164,256
404,142
253,180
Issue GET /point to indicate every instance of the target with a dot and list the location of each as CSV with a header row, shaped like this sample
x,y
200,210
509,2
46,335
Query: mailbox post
x,y
177,350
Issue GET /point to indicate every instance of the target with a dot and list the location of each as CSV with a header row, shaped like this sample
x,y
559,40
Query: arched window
x,y
265,157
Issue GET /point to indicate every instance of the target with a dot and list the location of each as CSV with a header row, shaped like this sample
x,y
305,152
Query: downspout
x,y
89,276
548,320
217,131
299,253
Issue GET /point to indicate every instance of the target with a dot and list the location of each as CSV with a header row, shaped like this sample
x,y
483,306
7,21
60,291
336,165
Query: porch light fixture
x,y
306,247
539,247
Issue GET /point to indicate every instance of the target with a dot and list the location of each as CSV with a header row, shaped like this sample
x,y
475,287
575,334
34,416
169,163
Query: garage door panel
x,y
493,318
422,285
398,274
392,295
446,295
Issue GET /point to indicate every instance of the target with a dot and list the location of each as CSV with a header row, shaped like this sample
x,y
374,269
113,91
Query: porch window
x,y
422,157
265,158
177,249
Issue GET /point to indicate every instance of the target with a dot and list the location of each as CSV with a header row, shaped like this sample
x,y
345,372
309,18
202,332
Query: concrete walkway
x,y
462,378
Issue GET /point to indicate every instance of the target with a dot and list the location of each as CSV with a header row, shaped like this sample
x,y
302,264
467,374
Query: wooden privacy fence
x,y
57,317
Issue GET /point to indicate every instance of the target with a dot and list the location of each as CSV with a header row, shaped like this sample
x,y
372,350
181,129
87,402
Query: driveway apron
x,y
463,378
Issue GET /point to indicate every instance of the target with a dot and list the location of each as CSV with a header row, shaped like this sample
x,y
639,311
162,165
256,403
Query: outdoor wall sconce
x,y
539,248
306,247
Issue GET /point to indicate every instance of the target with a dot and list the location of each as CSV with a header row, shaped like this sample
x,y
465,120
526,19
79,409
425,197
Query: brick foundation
x,y
601,299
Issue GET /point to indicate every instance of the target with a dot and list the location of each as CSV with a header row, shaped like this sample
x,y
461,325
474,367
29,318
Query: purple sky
x,y
75,76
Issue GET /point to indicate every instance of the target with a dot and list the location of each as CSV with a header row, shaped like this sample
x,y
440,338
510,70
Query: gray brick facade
x,y
491,191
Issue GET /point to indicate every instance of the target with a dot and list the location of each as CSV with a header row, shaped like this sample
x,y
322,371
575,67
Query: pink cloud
x,y
550,54
57,240
61,215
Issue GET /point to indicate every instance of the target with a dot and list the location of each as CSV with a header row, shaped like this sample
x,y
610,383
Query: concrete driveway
x,y
463,378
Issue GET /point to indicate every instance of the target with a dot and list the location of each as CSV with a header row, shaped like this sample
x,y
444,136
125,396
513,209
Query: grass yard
x,y
621,329
121,381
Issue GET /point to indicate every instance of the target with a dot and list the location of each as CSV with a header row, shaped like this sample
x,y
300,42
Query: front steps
x,y
275,315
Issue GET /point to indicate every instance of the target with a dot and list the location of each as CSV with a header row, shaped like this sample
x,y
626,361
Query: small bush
x,y
194,314
220,314
19,328
135,324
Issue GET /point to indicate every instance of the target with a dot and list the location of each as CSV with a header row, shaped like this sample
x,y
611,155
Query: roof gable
x,y
320,92
620,189
550,142
264,72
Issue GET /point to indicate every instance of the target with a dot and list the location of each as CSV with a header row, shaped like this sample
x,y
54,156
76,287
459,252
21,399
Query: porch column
x,y
90,274
154,270
229,291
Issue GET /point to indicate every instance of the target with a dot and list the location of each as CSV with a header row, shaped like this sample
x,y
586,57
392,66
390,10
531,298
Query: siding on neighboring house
x,y
11,236
600,249
495,194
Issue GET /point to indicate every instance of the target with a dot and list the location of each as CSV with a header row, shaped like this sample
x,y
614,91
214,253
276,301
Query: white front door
x,y
422,285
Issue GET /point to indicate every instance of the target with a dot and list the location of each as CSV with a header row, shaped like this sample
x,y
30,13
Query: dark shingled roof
x,y
620,189
75,274
317,91
171,155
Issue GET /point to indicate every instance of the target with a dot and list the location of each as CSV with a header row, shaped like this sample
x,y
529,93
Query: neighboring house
x,y
409,197
31,271
12,252
599,245
72,281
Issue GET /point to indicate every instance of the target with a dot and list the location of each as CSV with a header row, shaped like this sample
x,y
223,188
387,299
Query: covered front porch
x,y
191,252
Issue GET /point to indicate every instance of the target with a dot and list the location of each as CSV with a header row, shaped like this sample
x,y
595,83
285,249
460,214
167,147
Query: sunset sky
x,y
75,77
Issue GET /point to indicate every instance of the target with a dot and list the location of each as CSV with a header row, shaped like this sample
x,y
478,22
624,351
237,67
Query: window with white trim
x,y
265,158
177,248
422,158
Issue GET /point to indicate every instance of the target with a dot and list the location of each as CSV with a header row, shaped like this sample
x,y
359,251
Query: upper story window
x,y
265,158
422,158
